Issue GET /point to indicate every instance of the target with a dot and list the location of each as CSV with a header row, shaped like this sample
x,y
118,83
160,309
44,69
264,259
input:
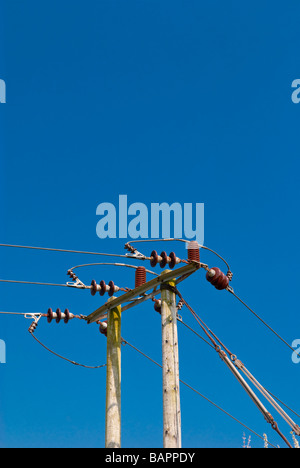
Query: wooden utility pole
x,y
113,379
171,395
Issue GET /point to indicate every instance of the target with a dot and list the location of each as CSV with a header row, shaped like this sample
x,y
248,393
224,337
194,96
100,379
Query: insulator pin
x,y
193,251
157,305
140,276
103,328
217,278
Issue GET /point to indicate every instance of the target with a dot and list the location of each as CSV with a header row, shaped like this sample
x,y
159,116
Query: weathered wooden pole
x,y
113,379
171,394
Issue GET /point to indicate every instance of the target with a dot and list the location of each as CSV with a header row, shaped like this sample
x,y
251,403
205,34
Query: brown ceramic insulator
x,y
193,251
157,306
58,316
49,316
112,288
140,276
94,288
67,316
103,288
219,280
213,279
223,283
102,330
164,260
154,258
173,260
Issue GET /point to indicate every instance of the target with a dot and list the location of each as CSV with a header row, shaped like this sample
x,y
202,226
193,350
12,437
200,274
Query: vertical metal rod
x,y
171,393
113,379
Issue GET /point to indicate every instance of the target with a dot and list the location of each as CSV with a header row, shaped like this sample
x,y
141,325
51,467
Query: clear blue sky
x,y
163,101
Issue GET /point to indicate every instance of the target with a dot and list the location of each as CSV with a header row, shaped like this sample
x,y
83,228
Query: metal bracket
x,y
78,284
136,254
35,317
141,290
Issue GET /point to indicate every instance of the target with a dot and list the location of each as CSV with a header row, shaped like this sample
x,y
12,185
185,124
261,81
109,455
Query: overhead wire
x,y
179,319
20,313
64,358
181,240
194,331
133,347
112,264
66,250
37,316
207,331
33,282
246,387
263,321
198,393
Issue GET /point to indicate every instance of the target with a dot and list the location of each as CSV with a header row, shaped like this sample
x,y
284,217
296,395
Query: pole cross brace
x,y
137,294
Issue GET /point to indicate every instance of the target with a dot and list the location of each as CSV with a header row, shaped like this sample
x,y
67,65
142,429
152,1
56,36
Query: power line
x,y
112,264
138,255
64,250
263,321
20,313
197,392
181,240
239,365
33,282
194,331
209,344
64,358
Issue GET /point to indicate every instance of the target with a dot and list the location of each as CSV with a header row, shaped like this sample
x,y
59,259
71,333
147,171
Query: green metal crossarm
x,y
139,291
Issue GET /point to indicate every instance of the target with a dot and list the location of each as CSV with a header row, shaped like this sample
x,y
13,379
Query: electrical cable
x,y
65,250
64,358
113,264
20,313
204,327
197,392
194,331
263,321
203,339
209,344
246,387
33,327
33,282
181,240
